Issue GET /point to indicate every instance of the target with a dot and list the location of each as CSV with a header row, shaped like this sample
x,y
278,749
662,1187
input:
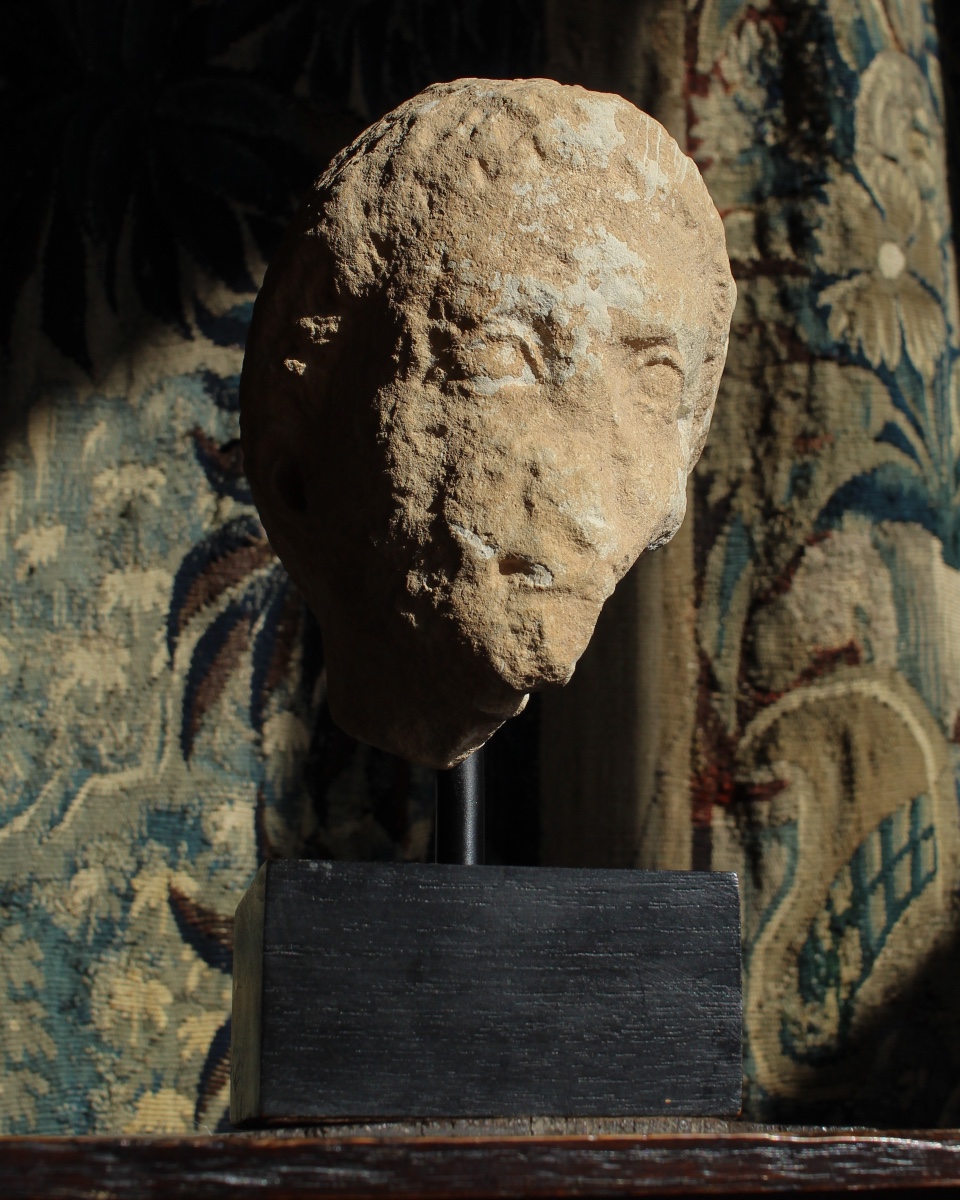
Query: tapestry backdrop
x,y
827,559
164,727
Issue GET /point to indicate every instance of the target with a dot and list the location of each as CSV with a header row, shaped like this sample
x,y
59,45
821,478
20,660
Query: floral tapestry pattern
x,y
827,553
164,727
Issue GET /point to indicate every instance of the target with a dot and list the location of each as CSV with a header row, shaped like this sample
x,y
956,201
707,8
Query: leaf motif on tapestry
x,y
887,872
717,21
865,27
24,1042
208,933
899,120
919,480
836,609
808,624
735,108
233,585
221,561
729,570
245,620
214,1077
845,863
223,466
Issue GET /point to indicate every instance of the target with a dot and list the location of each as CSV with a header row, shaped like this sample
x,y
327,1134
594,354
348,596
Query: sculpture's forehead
x,y
526,202
554,200
529,158
564,227
582,131
522,178
597,288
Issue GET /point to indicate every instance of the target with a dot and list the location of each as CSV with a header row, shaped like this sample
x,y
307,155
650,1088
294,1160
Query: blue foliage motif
x,y
888,871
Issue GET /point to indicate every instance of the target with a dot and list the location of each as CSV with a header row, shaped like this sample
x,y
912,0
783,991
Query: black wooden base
x,y
373,991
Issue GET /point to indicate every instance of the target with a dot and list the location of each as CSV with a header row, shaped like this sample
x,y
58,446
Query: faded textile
x,y
162,688
163,726
163,722
827,554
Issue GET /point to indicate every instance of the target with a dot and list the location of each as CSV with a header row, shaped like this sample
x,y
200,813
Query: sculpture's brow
x,y
508,327
647,337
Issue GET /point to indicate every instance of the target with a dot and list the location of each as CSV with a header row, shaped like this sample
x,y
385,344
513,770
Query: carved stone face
x,y
479,373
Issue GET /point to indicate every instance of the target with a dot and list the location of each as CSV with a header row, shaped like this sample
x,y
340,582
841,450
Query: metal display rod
x,y
459,820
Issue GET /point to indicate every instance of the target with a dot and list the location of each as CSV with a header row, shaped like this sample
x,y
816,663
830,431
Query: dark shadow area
x,y
154,146
153,150
947,17
900,1070
513,790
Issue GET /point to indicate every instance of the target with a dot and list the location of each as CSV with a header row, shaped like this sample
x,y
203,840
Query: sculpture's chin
x,y
420,693
437,730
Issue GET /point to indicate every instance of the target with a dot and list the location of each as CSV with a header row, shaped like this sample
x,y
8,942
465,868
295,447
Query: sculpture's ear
x,y
277,472
282,397
292,347
287,482
709,383
715,354
274,464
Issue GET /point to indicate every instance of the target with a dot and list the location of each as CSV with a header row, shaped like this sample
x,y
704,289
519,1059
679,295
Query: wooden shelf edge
x,y
296,1168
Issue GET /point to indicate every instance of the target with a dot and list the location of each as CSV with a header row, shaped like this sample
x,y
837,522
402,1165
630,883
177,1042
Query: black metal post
x,y
459,820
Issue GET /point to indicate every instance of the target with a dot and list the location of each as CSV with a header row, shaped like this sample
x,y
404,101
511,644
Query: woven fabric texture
x,y
163,723
826,555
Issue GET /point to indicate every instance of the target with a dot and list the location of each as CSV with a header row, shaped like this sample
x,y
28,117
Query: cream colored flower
x,y
896,121
890,263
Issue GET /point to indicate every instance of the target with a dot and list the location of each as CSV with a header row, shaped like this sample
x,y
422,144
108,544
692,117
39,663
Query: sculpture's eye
x,y
489,363
507,359
485,361
662,379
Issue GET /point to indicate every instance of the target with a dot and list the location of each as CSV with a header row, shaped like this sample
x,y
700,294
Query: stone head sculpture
x,y
479,371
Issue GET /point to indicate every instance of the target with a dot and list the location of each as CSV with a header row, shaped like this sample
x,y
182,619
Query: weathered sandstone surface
x,y
479,371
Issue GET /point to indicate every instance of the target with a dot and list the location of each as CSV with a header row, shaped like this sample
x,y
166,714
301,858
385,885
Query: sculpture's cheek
x,y
652,494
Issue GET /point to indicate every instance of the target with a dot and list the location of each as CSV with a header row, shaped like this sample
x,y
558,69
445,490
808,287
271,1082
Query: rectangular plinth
x,y
372,991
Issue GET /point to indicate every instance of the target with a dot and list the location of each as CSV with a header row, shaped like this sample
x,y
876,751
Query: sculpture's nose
x,y
534,574
507,555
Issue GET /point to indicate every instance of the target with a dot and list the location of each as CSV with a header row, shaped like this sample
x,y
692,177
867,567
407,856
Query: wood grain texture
x,y
242,1167
393,990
